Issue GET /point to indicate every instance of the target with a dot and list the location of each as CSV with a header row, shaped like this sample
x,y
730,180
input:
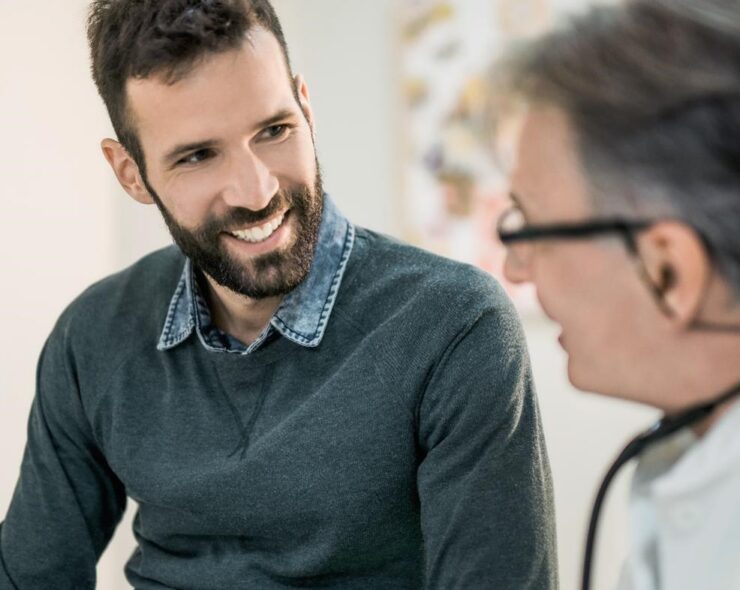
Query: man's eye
x,y
196,157
275,131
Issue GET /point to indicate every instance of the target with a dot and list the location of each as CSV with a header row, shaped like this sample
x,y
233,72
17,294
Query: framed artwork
x,y
454,190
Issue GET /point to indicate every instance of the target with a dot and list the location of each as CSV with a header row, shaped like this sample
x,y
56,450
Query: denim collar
x,y
303,313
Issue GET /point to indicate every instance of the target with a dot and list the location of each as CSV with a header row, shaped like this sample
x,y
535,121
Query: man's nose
x,y
251,183
516,267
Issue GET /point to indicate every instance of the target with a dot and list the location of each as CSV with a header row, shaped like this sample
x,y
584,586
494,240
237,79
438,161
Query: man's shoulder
x,y
395,284
406,271
409,308
134,298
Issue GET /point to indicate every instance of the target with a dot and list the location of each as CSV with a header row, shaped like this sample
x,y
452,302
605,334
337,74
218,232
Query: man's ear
x,y
126,170
679,266
304,100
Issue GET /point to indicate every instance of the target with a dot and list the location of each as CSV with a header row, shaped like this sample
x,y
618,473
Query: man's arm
x,y
67,501
484,482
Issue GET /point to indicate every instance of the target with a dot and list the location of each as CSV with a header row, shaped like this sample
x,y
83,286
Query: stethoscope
x,y
661,429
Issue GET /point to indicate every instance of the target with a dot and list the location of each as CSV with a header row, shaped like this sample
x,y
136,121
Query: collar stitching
x,y
168,340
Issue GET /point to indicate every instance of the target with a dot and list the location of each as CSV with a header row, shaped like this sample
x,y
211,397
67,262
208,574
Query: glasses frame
x,y
586,230
574,230
592,228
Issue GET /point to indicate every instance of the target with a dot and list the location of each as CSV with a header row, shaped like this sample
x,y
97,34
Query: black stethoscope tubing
x,y
661,429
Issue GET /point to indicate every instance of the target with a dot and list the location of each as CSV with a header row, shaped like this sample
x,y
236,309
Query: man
x,y
291,400
626,217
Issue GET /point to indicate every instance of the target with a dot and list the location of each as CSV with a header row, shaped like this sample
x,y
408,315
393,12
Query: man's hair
x,y
167,38
652,91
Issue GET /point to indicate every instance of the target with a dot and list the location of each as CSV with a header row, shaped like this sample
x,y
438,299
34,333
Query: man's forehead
x,y
545,131
254,75
548,174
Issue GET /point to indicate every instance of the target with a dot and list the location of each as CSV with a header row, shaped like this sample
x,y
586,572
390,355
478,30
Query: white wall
x,y
67,223
56,209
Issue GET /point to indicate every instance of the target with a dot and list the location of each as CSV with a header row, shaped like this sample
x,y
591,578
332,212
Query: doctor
x,y
625,216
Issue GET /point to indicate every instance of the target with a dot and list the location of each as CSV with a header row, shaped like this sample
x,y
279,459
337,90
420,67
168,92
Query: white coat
x,y
685,512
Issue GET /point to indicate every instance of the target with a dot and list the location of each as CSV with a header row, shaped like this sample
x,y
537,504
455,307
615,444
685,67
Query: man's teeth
x,y
261,233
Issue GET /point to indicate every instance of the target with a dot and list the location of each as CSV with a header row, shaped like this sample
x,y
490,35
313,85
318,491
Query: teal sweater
x,y
405,451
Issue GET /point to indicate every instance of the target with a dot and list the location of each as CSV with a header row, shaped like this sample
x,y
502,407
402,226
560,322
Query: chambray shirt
x,y
303,313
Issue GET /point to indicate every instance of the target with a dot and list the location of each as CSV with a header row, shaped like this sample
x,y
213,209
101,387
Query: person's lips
x,y
260,232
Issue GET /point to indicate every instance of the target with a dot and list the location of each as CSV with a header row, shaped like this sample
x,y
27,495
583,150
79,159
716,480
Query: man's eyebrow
x,y
181,150
517,200
281,115
185,148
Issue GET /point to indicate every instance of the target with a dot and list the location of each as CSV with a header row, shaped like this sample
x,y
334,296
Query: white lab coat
x,y
685,512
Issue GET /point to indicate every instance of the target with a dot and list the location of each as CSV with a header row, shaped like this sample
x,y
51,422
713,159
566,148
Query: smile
x,y
260,233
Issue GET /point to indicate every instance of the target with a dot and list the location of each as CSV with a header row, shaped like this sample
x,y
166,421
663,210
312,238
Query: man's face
x,y
611,327
231,164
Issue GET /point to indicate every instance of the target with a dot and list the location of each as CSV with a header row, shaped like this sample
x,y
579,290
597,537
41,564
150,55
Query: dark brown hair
x,y
140,38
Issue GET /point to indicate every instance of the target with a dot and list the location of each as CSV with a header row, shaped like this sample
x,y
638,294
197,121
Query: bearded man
x,y
291,400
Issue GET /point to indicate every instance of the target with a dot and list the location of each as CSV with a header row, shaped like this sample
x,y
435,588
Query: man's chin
x,y
258,279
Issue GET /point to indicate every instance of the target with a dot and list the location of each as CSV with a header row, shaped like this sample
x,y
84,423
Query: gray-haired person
x,y
626,218
292,400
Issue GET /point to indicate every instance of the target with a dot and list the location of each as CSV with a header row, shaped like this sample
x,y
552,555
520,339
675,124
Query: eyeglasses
x,y
518,236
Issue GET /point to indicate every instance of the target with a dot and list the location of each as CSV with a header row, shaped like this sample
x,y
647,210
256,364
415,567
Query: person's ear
x,y
678,265
126,170
304,100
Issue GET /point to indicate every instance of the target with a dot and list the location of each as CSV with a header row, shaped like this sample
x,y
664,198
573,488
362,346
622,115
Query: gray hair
x,y
652,90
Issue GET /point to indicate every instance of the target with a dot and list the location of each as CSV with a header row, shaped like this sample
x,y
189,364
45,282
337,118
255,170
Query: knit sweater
x,y
404,452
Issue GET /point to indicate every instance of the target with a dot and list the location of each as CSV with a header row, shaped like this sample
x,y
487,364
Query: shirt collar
x,y
303,314
710,458
685,462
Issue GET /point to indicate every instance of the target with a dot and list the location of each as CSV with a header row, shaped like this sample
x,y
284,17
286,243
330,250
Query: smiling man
x,y
291,400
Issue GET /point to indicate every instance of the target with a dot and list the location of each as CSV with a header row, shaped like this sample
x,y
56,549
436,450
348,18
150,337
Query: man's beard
x,y
268,275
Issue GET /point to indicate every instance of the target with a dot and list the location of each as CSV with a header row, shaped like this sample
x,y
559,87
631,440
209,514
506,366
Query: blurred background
x,y
395,87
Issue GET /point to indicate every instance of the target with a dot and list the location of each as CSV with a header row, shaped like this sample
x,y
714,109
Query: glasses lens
x,y
512,220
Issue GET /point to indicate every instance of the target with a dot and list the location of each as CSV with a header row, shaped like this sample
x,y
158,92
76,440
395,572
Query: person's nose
x,y
517,266
251,182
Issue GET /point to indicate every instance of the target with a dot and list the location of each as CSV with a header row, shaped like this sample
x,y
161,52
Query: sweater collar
x,y
303,314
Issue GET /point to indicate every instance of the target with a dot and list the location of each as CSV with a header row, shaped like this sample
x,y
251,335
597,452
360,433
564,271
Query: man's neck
x,y
239,316
706,425
718,374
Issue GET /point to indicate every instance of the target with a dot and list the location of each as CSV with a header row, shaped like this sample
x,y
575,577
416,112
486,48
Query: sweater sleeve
x,y
484,480
67,501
